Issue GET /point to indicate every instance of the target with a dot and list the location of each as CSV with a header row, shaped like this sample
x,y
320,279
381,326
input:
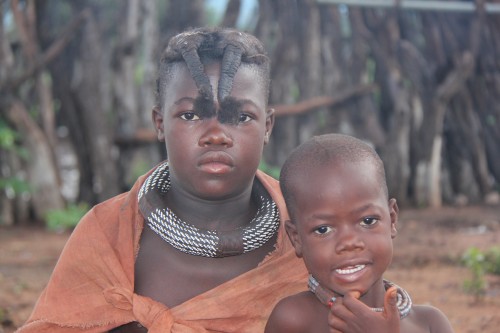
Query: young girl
x,y
198,243
342,225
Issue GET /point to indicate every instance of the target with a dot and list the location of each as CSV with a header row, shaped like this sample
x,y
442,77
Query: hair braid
x,y
187,45
198,46
230,63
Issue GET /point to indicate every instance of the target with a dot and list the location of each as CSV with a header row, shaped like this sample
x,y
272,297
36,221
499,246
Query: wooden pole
x,y
433,5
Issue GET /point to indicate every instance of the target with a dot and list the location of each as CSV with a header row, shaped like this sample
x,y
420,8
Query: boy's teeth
x,y
350,270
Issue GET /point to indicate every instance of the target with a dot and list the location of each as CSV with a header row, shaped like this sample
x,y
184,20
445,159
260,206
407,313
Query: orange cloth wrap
x,y
92,286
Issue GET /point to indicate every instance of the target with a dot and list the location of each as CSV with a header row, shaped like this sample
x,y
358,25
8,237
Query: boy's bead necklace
x,y
189,239
328,297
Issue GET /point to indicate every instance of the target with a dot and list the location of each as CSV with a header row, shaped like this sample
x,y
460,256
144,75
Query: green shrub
x,y
68,218
12,185
474,259
492,257
269,169
479,264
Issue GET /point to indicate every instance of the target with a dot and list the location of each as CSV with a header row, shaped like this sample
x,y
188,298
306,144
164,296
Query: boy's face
x,y
207,158
344,226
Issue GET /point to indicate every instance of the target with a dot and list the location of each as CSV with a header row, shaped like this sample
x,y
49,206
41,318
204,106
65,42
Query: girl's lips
x,y
215,167
216,162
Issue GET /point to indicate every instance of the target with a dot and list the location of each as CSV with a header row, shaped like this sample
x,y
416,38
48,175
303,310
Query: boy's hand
x,y
349,315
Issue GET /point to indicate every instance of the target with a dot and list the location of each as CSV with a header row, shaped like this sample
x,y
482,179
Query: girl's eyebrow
x,y
184,99
230,111
247,101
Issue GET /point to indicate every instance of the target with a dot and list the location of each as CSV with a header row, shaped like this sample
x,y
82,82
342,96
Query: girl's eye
x,y
369,221
323,230
244,118
190,116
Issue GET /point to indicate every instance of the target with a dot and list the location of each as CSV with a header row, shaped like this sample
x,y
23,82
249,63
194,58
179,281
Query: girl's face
x,y
209,159
344,227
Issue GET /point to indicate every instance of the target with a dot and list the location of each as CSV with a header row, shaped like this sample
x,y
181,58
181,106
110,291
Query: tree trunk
x,y
232,13
310,62
87,91
41,168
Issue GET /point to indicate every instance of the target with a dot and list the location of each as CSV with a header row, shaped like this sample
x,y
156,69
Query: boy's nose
x,y
348,240
215,134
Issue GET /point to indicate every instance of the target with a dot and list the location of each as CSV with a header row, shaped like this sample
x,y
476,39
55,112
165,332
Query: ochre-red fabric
x,y
92,286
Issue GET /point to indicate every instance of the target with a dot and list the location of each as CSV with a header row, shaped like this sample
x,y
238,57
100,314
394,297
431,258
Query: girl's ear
x,y
394,212
157,117
293,235
269,125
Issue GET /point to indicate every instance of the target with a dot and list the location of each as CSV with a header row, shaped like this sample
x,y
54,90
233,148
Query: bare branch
x,y
50,54
321,101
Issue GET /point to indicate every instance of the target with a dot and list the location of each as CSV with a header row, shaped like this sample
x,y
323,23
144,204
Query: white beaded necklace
x,y
327,296
202,242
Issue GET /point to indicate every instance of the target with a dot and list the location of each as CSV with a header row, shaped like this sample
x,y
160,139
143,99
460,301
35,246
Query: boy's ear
x,y
269,124
157,117
394,212
293,235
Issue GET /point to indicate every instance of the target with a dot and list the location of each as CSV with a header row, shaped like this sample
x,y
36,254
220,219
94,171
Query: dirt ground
x,y
426,263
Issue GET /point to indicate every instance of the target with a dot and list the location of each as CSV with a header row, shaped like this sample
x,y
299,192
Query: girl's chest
x,y
172,277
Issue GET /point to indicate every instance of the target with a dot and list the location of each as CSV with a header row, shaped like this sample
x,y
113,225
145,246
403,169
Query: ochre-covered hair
x,y
199,46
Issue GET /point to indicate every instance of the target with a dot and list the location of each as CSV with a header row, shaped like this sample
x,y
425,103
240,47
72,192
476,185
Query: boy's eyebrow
x,y
329,216
321,216
365,207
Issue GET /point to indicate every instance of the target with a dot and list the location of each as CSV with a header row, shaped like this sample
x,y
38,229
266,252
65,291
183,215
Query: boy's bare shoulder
x,y
294,313
430,317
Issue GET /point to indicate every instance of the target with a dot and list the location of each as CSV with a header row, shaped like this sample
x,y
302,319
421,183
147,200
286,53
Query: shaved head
x,y
325,150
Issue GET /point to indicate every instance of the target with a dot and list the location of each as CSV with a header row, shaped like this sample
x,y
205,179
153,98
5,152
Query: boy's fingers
x,y
353,304
337,316
355,294
390,303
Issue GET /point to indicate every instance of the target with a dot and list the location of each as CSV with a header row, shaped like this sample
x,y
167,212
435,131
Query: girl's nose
x,y
215,134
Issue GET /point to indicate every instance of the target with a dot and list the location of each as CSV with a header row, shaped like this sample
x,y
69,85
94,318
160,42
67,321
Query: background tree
x,y
77,84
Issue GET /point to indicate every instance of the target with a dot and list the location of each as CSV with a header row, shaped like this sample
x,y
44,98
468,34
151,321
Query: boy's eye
x,y
323,230
244,118
189,116
369,221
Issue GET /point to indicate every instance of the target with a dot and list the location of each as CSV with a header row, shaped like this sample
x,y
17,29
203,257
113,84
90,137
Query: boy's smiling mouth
x,y
349,269
349,272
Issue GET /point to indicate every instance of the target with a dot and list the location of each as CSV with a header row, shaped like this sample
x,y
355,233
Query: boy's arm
x,y
286,317
435,319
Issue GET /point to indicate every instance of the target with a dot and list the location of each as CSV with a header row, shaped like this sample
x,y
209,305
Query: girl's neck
x,y
223,215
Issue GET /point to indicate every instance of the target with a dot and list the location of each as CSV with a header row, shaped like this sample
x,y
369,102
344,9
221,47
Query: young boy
x,y
198,244
342,225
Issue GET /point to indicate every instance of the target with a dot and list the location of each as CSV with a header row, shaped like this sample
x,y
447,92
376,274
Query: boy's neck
x,y
372,298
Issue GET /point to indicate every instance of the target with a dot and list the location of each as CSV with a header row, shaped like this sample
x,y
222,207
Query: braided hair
x,y
201,46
